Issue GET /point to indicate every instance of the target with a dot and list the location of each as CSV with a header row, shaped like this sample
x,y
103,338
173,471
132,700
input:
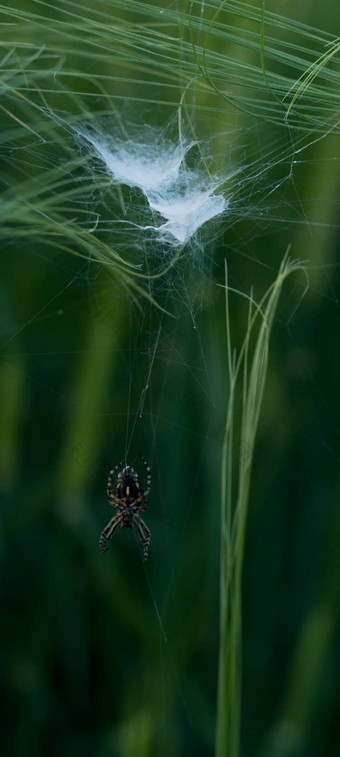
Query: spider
x,y
129,497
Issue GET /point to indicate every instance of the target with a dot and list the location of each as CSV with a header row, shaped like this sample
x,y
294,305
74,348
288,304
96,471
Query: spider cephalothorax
x,y
129,497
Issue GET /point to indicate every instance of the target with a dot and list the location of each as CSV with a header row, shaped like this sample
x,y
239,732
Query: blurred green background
x,y
100,654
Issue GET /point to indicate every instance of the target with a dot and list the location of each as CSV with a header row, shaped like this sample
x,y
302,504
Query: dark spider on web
x,y
129,497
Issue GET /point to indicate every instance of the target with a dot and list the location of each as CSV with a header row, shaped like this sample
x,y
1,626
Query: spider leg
x,y
119,503
148,476
109,491
136,504
108,531
141,503
144,534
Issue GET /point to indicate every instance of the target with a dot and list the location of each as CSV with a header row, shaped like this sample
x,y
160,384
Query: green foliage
x,y
113,345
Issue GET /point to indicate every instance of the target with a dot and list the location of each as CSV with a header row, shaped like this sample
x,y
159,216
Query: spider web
x,y
159,389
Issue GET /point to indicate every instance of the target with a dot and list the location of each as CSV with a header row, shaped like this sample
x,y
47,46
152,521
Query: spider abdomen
x,y
128,485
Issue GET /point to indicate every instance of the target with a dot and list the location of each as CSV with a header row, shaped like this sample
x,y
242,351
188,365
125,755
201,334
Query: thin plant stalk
x,y
247,377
